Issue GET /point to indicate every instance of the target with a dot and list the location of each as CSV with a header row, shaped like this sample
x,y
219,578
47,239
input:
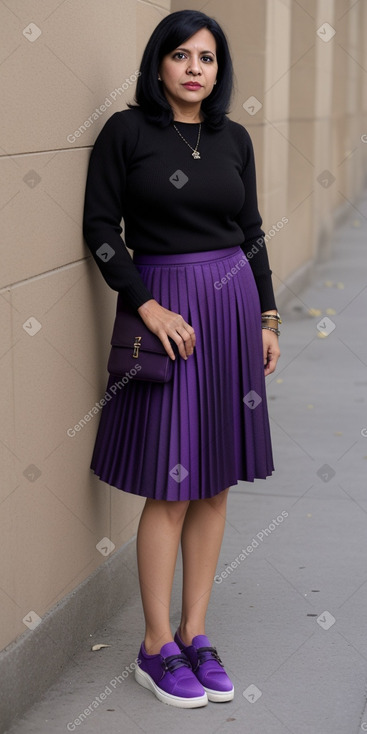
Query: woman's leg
x,y
158,539
201,540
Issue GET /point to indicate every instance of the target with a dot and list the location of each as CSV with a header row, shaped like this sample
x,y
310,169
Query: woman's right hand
x,y
164,324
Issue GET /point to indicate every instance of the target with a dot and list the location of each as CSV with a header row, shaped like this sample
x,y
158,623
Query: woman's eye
x,y
180,55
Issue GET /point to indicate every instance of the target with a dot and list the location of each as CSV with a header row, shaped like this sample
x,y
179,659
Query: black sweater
x,y
170,202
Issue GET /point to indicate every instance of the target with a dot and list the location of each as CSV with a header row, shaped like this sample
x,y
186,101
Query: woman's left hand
x,y
271,351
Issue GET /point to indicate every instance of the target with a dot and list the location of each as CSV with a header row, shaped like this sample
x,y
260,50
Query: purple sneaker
x,y
208,668
169,676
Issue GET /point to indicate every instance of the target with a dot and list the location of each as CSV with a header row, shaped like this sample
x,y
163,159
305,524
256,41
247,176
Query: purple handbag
x,y
135,346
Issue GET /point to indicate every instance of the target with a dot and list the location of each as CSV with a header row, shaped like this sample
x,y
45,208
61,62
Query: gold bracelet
x,y
276,316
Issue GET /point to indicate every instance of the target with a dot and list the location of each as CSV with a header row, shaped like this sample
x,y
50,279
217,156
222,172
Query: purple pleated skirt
x,y
208,428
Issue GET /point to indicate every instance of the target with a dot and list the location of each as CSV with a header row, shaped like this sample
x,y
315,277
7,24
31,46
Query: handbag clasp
x,y
137,345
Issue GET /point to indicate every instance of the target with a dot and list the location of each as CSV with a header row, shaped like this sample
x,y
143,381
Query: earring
x,y
159,79
215,82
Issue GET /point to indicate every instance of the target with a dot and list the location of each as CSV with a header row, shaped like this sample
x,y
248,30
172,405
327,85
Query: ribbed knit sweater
x,y
170,202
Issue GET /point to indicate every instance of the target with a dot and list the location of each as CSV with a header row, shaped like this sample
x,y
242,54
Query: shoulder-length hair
x,y
169,34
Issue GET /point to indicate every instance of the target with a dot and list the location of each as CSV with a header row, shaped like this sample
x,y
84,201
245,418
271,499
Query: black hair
x,y
169,34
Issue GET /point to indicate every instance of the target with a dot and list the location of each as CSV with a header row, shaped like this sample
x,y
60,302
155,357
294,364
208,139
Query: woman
x,y
182,175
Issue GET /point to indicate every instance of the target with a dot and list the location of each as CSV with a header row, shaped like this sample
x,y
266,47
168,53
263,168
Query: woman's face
x,y
188,72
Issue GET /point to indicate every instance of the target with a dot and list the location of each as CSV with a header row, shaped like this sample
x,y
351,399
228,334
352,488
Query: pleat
x,y
194,436
256,420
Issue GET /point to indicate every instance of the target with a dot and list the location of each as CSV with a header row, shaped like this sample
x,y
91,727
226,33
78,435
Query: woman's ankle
x,y
188,631
153,643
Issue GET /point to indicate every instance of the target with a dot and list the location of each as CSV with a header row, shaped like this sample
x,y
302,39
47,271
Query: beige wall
x,y
56,311
50,524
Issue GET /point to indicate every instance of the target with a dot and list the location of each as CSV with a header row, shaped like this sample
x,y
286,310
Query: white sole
x,y
219,696
146,681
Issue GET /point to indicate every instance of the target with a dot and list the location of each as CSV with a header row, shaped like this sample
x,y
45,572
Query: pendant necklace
x,y
195,153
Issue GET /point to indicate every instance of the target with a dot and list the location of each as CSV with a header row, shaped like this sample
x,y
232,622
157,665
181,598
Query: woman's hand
x,y
164,324
271,351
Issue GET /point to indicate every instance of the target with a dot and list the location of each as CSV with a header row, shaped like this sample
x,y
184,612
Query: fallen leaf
x,y
99,647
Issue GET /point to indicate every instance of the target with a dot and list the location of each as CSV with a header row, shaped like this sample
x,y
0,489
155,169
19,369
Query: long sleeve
x,y
250,222
104,209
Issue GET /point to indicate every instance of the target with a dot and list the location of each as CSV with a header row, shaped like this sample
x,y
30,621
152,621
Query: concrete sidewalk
x,y
288,616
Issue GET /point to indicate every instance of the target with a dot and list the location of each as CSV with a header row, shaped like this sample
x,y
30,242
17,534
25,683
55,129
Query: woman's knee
x,y
172,510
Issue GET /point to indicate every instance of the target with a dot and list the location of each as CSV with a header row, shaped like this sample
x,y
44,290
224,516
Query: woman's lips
x,y
191,85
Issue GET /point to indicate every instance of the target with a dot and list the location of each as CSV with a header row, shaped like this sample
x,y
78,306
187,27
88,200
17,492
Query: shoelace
x,y
172,662
208,653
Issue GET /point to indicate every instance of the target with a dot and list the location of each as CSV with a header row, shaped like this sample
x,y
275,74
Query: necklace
x,y
195,153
